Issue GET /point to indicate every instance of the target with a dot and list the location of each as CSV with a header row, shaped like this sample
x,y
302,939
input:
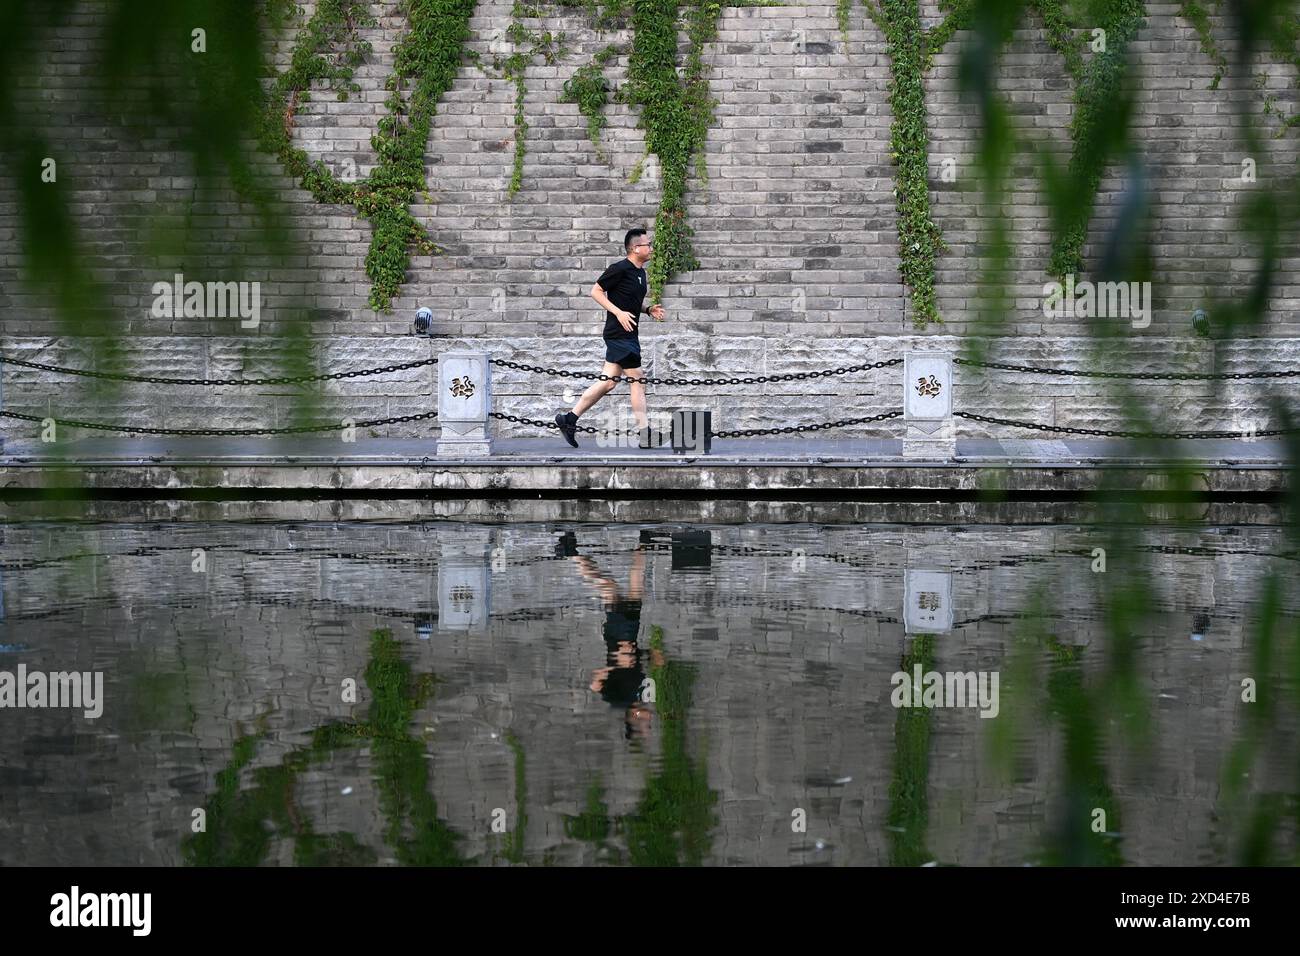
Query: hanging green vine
x,y
959,15
919,238
589,90
1285,42
425,64
1061,35
1199,18
842,10
333,24
544,43
1095,101
676,112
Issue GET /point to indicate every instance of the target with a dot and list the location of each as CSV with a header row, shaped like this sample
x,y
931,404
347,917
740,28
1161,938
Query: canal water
x,y
627,684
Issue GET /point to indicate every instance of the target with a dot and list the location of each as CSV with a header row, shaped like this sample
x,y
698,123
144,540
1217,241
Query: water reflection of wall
x,y
794,632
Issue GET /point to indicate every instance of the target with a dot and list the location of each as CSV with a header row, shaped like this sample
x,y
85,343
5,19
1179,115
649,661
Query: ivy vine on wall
x,y
1195,14
911,51
676,112
528,44
425,64
1096,97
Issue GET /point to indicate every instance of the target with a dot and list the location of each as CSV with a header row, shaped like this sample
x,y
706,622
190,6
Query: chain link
x,y
294,430
1149,376
1113,433
282,380
647,380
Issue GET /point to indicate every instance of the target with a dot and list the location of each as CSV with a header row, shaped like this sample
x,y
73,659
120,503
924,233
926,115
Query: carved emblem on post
x,y
929,386
462,387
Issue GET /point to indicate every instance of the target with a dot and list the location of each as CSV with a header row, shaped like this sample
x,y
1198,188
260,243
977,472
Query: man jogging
x,y
620,290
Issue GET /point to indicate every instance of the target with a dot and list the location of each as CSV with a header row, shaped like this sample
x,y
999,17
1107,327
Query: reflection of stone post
x,y
463,579
927,406
464,401
3,421
927,601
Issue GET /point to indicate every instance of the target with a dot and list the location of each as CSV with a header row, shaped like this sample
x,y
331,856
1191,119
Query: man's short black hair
x,y
631,234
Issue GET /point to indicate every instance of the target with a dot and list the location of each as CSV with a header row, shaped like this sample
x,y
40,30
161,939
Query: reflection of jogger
x,y
620,682
621,291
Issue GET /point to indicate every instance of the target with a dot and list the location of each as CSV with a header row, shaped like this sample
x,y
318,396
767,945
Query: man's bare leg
x,y
638,398
598,390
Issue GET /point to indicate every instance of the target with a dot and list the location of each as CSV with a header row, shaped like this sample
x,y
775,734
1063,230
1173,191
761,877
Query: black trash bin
x,y
692,432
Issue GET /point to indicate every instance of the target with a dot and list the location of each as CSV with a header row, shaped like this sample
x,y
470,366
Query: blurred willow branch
x,y
146,79
1268,215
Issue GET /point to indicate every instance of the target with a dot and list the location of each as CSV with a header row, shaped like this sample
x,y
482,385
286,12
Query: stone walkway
x,y
735,467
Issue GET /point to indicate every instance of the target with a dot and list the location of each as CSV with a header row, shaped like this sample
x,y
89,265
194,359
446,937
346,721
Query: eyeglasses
x,y
644,245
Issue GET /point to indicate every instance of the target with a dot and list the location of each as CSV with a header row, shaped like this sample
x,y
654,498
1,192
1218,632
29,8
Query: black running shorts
x,y
623,352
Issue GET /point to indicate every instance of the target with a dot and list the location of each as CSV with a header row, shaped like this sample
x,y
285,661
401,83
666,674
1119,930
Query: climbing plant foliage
x,y
425,63
676,112
920,240
1098,100
675,109
1194,13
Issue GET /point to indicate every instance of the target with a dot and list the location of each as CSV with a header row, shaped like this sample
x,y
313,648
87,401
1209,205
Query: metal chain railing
x,y
1116,433
1150,376
538,423
649,380
280,380
792,429
743,433
235,432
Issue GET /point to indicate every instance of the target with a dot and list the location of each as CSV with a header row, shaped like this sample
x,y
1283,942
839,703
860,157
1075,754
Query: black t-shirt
x,y
622,622
625,286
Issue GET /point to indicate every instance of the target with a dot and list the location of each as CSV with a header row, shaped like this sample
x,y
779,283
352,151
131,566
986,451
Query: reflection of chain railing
x,y
648,380
235,432
281,380
1141,376
1116,433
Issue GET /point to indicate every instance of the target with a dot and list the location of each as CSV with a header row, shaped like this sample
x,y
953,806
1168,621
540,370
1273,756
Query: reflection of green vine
x,y
515,840
909,815
237,833
1274,649
1086,788
593,823
672,823
426,59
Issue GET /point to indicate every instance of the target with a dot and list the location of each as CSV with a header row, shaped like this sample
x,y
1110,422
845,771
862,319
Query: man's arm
x,y
598,294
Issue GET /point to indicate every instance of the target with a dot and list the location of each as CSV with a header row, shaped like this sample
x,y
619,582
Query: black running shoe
x,y
569,429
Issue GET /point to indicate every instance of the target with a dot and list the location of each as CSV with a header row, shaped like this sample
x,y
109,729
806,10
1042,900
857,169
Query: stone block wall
x,y
795,228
